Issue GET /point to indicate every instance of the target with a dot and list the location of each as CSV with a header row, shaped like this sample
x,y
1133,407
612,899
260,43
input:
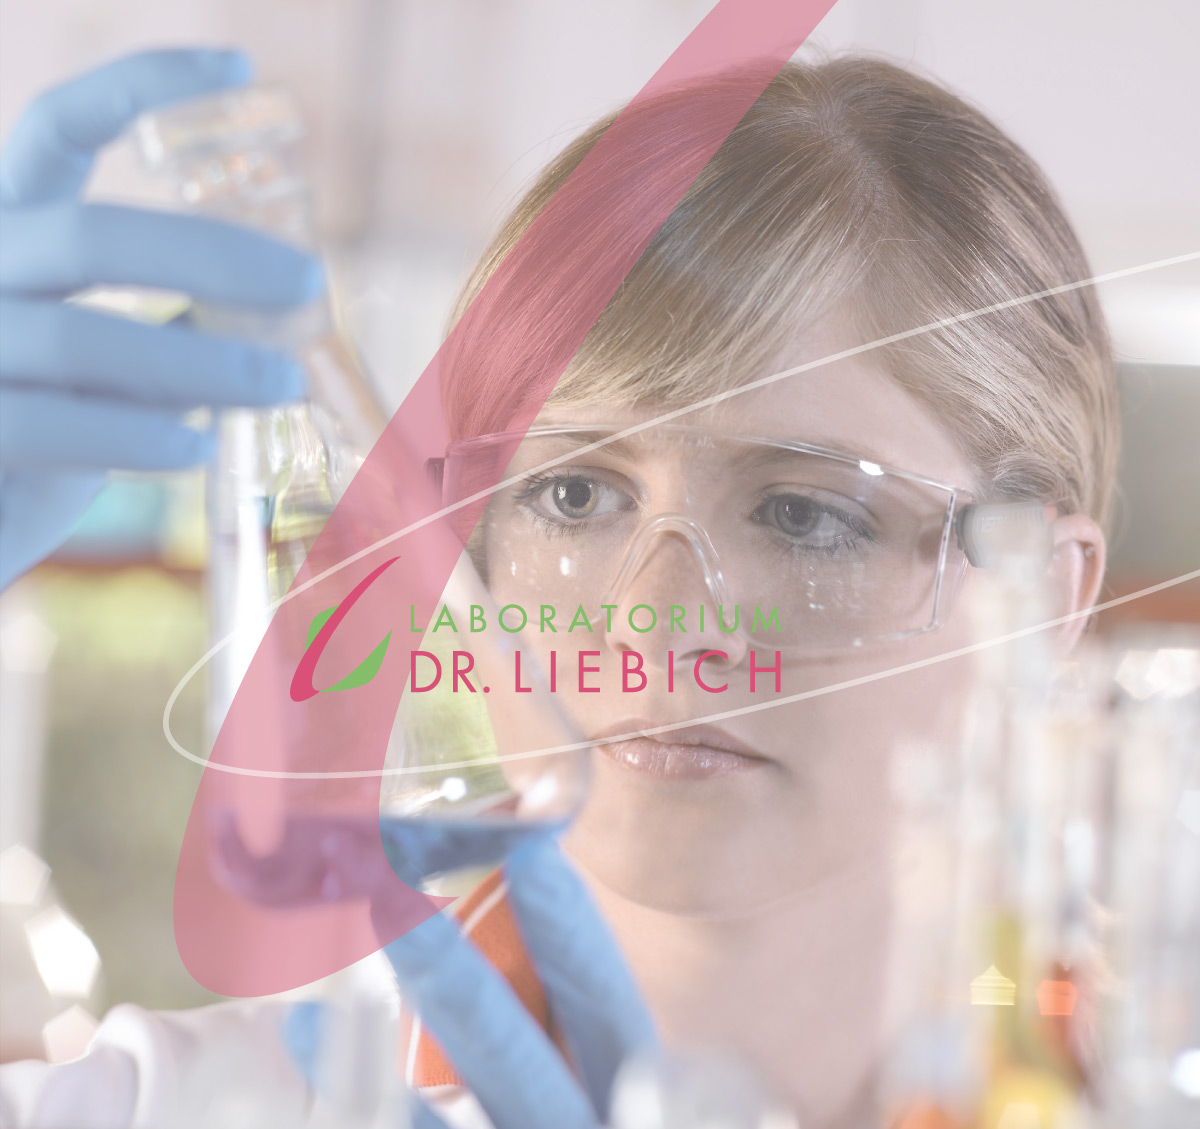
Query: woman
x,y
740,861
748,855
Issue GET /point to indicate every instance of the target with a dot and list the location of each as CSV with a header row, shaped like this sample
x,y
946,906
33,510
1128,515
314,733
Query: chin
x,y
716,847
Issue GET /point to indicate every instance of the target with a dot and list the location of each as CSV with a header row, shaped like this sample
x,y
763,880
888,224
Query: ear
x,y
1077,571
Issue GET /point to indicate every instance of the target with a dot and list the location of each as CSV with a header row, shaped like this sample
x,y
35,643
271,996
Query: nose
x,y
672,563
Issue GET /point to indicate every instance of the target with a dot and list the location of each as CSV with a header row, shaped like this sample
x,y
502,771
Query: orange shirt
x,y
488,921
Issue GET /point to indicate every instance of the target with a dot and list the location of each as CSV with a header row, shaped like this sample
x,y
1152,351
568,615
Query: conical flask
x,y
278,472
476,760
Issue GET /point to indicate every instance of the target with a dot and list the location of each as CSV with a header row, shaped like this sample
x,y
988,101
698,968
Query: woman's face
x,y
746,807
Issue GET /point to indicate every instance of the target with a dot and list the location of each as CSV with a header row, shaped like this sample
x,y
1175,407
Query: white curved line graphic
x,y
633,430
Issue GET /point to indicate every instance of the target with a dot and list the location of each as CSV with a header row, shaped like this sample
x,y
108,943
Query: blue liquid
x,y
323,859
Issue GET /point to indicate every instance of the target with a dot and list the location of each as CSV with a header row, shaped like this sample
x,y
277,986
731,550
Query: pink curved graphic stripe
x,y
265,901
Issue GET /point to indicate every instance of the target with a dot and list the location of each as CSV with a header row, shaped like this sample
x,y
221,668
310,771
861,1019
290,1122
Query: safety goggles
x,y
798,547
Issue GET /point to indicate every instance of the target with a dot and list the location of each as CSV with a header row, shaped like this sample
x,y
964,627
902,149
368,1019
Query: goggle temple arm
x,y
435,472
1007,534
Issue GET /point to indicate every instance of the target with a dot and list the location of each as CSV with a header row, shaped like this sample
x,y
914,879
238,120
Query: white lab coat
x,y
223,1066
161,1070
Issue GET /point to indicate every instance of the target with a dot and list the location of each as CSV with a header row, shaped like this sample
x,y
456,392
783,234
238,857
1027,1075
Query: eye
x,y
573,498
794,515
812,524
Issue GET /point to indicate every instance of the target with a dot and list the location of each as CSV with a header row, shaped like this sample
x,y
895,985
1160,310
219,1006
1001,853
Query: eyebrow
x,y
745,456
753,457
574,438
635,446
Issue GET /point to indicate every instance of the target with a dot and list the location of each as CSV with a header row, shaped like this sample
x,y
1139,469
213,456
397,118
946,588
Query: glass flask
x,y
1047,916
988,950
479,761
469,771
1149,883
279,472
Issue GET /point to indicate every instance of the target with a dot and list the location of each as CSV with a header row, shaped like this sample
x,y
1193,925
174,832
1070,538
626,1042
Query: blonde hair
x,y
851,186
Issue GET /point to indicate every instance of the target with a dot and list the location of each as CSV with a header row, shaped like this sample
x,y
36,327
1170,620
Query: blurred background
x,y
427,117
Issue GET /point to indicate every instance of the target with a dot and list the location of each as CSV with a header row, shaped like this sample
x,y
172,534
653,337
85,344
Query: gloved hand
x,y
505,1059
82,392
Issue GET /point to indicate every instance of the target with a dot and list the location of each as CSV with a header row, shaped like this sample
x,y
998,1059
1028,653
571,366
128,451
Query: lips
x,y
693,752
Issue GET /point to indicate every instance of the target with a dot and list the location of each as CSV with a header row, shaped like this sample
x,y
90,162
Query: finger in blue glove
x,y
83,393
51,345
50,152
305,1026
505,1059
590,989
58,248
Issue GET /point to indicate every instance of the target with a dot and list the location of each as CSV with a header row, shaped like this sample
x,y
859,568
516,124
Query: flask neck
x,y
233,155
260,188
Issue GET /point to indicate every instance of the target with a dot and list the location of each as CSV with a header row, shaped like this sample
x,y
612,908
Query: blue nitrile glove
x,y
506,1060
502,1055
82,392
305,1026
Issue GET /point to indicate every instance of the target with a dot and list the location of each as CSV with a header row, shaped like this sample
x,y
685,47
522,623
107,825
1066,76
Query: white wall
x,y
429,115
